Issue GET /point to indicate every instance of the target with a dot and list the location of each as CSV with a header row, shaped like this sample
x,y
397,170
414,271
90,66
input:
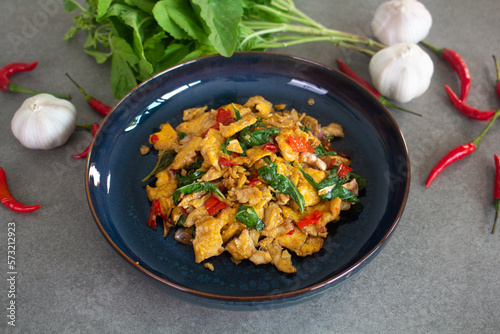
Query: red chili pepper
x,y
97,105
343,170
224,116
226,162
215,126
458,65
85,152
291,231
458,153
154,213
214,205
496,191
351,74
299,144
480,115
253,182
153,139
12,68
270,147
9,201
313,218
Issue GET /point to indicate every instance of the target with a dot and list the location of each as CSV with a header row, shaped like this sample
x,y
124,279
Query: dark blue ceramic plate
x,y
119,202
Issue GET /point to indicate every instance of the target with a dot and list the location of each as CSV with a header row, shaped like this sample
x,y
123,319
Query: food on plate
x,y
257,181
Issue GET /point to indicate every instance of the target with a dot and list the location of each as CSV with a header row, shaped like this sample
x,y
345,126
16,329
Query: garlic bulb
x,y
401,21
44,122
401,72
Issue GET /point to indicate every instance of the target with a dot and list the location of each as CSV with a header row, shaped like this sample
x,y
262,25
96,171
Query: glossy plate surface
x,y
120,206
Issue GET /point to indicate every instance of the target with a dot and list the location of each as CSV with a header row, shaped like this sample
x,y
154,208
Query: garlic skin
x,y
401,72
401,21
44,122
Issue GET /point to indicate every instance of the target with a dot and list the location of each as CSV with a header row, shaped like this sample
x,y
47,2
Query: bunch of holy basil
x,y
143,37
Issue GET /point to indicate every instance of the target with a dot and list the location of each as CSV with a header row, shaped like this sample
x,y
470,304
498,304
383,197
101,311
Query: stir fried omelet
x,y
255,180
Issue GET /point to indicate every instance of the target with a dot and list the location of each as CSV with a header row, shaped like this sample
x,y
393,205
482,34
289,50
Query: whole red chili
x,y
351,74
458,152
97,105
461,106
496,192
85,152
9,201
458,64
12,68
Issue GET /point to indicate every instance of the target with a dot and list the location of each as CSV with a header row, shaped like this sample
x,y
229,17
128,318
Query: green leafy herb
x,y
281,183
194,165
249,137
143,37
247,216
181,135
164,160
337,189
194,188
237,113
183,180
320,150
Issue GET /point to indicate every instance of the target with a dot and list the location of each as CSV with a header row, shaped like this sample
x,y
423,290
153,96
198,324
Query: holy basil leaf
x,y
337,189
102,8
194,188
221,19
247,216
164,160
359,179
249,138
122,67
281,183
237,113
183,15
194,165
320,150
161,14
224,146
183,180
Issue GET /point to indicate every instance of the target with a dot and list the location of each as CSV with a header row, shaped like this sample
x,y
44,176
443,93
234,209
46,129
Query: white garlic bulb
x,y
401,21
401,72
44,122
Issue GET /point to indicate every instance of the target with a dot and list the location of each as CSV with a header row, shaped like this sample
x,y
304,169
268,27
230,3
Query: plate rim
x,y
284,296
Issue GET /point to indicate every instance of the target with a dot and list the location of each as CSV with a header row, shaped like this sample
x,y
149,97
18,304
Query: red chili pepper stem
x,y
496,193
351,74
12,87
497,86
93,102
13,68
458,64
459,152
9,201
387,103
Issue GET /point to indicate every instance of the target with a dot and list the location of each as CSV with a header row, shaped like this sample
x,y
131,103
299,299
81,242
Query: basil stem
x,y
247,216
164,160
